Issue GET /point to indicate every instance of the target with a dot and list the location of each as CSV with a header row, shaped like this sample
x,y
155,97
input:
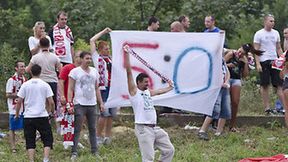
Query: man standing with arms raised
x,y
148,134
62,39
268,40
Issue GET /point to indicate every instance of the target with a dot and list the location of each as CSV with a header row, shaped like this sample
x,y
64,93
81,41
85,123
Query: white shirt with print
x,y
267,41
85,84
143,107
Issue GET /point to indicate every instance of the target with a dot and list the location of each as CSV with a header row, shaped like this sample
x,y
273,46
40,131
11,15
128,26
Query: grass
x,y
250,142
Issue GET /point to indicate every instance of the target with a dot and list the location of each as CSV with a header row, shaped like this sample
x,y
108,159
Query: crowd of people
x,y
63,82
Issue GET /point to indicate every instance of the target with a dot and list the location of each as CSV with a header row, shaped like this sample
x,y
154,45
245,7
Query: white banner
x,y
192,60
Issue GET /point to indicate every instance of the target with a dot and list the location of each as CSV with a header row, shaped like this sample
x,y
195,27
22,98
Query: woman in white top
x,y
33,41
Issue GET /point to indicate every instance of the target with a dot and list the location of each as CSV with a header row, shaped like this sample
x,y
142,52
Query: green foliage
x,y
239,18
81,45
250,142
10,55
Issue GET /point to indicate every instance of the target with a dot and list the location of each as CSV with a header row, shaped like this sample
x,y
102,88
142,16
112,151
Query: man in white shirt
x,y
148,134
62,39
268,40
35,92
83,81
12,87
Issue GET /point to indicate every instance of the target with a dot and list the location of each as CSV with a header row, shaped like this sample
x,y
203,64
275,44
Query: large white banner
x,y
192,60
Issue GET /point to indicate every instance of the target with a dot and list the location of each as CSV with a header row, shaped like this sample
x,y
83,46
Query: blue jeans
x,y
222,107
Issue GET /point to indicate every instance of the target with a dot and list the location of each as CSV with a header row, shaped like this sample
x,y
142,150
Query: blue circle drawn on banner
x,y
178,61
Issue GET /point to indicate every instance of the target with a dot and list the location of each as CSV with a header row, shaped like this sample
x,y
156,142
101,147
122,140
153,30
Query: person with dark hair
x,y
210,24
185,21
83,82
149,135
62,39
35,93
153,24
49,63
12,87
237,63
268,40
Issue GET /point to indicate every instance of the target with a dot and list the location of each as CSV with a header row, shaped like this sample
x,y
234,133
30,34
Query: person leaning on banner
x,y
149,135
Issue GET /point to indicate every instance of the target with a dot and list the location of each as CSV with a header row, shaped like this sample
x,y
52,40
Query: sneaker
x,y
73,156
96,154
218,134
270,111
99,141
203,136
107,140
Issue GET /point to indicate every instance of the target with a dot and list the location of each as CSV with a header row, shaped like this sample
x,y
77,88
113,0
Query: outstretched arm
x,y
132,88
96,37
162,90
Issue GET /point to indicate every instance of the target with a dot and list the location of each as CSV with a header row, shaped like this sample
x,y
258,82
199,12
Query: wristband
x,y
69,106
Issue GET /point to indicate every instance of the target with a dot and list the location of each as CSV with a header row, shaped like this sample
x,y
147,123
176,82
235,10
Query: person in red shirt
x,y
63,77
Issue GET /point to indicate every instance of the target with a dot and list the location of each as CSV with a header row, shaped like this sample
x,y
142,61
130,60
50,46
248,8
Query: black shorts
x,y
53,86
43,126
285,84
269,75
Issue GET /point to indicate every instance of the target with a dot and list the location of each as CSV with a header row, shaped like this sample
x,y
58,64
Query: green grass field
x,y
249,142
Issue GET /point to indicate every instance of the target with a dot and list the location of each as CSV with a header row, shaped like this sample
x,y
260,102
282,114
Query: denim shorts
x,y
235,82
110,112
15,124
222,107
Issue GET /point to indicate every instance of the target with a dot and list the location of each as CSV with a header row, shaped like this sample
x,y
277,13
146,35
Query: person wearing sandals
x,y
12,87
222,107
237,63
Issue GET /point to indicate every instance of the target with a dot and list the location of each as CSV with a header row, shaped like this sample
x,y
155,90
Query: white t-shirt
x,y
34,42
68,58
143,107
85,85
267,41
48,62
12,86
35,92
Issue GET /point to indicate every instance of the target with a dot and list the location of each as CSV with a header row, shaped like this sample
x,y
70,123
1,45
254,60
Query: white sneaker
x,y
107,140
99,140
73,156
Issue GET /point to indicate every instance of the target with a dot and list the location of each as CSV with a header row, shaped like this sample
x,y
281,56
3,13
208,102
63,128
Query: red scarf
x,y
104,71
60,49
17,82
